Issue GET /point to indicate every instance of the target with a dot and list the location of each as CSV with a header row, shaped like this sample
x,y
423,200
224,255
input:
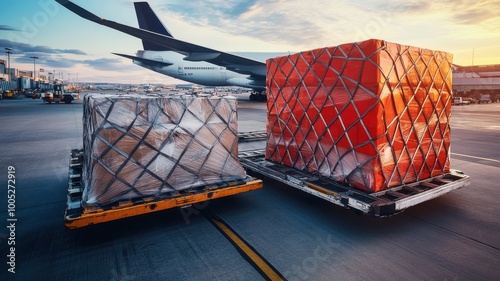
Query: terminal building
x,y
477,80
4,75
14,79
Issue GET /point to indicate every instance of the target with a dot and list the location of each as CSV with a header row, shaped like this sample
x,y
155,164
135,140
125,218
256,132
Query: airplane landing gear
x,y
258,96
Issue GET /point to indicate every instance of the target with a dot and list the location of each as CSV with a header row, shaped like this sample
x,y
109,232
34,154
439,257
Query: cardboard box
x,y
371,114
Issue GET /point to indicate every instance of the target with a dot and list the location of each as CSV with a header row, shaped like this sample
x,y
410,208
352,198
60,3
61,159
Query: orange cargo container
x,y
371,114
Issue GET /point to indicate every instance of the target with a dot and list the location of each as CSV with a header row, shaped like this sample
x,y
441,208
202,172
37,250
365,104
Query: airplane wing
x,y
193,52
145,61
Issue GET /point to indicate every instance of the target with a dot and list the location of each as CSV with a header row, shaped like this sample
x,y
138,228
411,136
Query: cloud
x,y
475,13
474,16
209,11
7,27
111,64
53,58
470,12
316,22
407,7
61,62
275,21
28,48
47,61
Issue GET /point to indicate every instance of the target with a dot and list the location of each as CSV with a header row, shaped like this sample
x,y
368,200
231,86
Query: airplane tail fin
x,y
149,21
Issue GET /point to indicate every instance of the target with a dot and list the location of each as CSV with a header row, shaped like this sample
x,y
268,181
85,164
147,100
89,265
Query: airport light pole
x,y
34,59
8,61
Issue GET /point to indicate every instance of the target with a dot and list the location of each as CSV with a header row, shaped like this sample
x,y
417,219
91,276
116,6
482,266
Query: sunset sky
x,y
72,46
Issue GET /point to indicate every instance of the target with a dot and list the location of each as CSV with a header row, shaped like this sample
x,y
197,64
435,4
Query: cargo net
x,y
137,146
371,114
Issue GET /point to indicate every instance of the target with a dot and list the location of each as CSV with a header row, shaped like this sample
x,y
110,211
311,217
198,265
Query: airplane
x,y
183,60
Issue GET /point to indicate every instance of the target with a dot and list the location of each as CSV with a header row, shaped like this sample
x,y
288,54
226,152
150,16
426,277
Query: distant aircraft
x,y
107,87
183,60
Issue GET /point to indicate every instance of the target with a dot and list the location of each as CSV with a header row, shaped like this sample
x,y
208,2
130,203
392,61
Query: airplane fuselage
x,y
202,73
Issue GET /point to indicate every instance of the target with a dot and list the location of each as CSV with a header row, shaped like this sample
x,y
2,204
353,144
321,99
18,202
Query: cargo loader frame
x,y
77,216
381,204
252,136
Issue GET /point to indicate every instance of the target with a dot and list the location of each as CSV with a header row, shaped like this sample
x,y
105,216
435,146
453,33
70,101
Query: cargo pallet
x,y
381,204
77,216
252,136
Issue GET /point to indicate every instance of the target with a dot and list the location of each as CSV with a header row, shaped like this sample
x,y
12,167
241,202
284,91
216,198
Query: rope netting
x,y
371,114
140,146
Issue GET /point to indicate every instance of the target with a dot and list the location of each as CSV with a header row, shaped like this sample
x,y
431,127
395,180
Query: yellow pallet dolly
x,y
77,216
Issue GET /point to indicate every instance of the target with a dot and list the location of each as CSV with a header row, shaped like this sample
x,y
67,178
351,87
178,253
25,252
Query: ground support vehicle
x,y
8,94
381,204
77,216
460,101
59,95
258,96
485,98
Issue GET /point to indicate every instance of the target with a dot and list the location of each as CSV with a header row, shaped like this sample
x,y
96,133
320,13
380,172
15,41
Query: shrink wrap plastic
x,y
140,146
371,114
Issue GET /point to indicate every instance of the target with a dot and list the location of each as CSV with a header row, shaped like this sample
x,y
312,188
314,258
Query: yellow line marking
x,y
475,157
271,274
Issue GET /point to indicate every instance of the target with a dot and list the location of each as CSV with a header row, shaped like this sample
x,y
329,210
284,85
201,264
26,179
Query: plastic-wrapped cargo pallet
x,y
371,114
140,146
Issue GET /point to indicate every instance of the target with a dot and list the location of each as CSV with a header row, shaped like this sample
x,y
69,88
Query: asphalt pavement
x,y
453,237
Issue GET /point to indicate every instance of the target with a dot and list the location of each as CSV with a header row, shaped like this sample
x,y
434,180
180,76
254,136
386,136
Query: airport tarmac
x,y
453,237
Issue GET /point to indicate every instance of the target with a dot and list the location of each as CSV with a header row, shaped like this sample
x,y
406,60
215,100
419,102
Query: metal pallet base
x,y
381,204
252,136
